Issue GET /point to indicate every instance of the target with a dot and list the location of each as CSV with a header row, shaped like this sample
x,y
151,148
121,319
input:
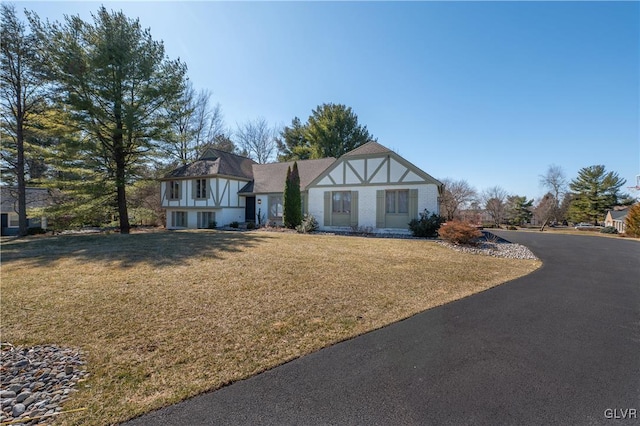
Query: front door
x,y
250,209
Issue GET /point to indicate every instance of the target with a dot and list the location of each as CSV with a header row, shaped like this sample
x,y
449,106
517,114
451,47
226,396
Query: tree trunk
x,y
544,224
123,214
22,187
119,158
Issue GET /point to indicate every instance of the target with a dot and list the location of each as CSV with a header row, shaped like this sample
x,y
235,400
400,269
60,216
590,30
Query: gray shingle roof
x,y
368,148
618,214
36,198
216,162
269,178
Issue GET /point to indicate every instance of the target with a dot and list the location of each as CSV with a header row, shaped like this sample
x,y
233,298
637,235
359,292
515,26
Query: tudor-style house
x,y
370,186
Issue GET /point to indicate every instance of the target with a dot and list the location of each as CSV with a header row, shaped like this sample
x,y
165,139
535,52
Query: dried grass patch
x,y
165,316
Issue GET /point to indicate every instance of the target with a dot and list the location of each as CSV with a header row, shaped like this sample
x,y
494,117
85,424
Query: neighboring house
x,y
370,187
35,198
616,218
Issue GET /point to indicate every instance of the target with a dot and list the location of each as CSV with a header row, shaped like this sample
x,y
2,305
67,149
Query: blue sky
x,y
489,92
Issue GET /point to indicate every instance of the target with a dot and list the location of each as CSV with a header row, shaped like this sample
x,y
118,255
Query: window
x,y
341,202
206,220
200,189
174,189
275,206
178,219
14,222
397,201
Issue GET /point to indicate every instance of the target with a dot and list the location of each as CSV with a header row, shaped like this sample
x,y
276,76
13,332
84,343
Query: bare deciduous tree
x,y
546,210
258,139
494,203
555,182
457,195
195,124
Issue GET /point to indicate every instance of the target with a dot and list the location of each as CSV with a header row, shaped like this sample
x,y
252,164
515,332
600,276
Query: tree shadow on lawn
x,y
158,248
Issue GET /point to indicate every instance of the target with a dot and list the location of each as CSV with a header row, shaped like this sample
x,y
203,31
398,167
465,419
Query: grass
x,y
165,316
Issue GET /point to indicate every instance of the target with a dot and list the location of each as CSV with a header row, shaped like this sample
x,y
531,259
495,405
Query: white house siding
x,y
427,199
222,198
223,216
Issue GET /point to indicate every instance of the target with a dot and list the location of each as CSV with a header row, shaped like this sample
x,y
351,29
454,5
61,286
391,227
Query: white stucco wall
x,y
226,190
427,199
224,216
230,208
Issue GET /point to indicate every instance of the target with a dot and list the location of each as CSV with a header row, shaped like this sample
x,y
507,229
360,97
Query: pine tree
x,y
292,198
119,84
21,98
594,192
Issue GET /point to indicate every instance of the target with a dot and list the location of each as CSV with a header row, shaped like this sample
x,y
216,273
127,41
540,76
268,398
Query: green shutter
x,y
380,208
413,204
327,208
354,208
193,189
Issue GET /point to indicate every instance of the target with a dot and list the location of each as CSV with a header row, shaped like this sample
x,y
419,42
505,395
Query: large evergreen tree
x,y
330,131
519,209
333,130
119,85
22,97
292,200
594,192
293,143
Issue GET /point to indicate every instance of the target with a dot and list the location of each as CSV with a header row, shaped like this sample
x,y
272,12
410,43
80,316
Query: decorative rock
x,y
495,249
22,396
15,387
27,402
36,381
18,410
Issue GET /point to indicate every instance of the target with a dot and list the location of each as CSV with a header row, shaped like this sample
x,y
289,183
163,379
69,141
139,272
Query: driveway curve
x,y
559,346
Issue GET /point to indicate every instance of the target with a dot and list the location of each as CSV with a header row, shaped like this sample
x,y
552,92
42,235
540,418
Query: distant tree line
x,y
586,198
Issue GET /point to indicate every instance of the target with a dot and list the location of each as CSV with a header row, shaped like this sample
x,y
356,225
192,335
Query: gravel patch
x,y
490,245
36,381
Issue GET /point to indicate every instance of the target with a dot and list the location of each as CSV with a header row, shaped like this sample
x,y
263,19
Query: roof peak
x,y
371,147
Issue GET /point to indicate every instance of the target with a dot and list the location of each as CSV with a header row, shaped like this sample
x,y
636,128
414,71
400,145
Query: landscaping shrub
x,y
234,224
213,224
632,221
609,230
458,232
309,224
251,225
427,225
36,231
512,228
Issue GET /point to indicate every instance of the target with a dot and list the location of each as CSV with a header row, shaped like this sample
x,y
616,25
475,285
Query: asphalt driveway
x,y
560,346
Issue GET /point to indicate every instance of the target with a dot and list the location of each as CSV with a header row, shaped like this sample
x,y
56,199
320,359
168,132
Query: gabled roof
x,y
269,178
216,162
368,148
371,151
618,214
35,198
